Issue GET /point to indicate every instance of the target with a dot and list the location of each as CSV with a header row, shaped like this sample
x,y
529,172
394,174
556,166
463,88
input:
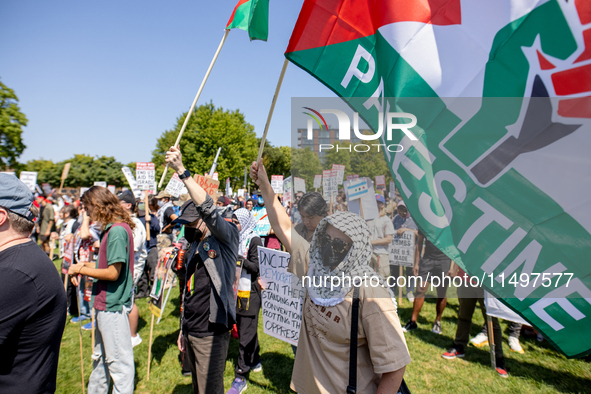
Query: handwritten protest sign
x,y
340,172
175,186
326,184
402,250
282,297
392,189
317,181
29,178
334,182
277,183
145,174
299,185
380,182
131,181
287,187
210,185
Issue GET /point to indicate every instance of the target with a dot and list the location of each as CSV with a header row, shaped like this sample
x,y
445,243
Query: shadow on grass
x,y
182,389
176,302
162,343
277,368
562,381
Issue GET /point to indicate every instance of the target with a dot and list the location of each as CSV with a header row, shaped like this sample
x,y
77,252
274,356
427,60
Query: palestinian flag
x,y
251,16
499,176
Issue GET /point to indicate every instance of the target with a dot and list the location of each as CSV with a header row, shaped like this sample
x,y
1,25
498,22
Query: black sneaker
x,y
411,325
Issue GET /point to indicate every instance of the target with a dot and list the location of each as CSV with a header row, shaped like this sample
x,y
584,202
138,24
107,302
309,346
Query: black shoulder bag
x,y
352,387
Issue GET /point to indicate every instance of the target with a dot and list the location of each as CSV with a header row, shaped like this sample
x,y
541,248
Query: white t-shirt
x,y
139,249
380,228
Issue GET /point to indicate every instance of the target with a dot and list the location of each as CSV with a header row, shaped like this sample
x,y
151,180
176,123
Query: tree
x,y
12,121
84,171
208,129
277,160
305,164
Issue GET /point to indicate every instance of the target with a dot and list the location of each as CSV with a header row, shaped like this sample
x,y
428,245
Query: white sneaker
x,y
136,340
411,296
515,345
479,340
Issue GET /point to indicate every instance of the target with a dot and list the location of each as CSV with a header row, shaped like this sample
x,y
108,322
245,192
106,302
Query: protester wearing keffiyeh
x,y
247,226
355,263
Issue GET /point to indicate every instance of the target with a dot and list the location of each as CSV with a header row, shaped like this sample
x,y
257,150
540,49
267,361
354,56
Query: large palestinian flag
x,y
500,176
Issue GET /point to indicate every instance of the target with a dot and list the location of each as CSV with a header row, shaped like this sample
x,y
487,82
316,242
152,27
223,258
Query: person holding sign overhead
x,y
341,244
249,299
209,308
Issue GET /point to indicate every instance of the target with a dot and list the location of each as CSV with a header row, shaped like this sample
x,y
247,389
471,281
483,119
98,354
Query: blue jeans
x,y
112,357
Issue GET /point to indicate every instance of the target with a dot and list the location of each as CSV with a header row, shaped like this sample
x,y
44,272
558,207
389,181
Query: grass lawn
x,y
541,369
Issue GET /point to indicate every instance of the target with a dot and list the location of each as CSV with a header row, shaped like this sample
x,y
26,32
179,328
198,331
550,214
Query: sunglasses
x,y
338,246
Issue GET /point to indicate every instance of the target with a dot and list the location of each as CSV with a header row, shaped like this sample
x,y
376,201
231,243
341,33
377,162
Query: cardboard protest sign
x,y
287,190
340,172
210,185
334,182
326,184
66,171
131,181
215,176
160,278
145,174
392,189
277,183
299,185
262,219
361,198
380,182
282,297
46,188
100,183
175,185
317,181
402,249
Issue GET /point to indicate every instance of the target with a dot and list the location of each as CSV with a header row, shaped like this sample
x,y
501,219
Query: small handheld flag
x,y
251,16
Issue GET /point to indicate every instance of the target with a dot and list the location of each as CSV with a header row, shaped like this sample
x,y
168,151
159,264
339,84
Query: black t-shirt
x,y
32,320
196,320
154,230
166,220
432,253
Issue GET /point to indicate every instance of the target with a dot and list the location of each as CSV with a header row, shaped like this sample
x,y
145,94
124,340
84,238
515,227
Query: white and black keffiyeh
x,y
355,263
247,224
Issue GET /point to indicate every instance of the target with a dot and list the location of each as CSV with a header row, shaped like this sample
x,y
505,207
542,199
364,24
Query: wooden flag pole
x,y
400,273
178,140
147,215
62,184
271,109
491,342
150,347
80,336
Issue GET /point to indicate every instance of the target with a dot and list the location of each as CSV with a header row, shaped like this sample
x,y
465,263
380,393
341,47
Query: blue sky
x,y
109,77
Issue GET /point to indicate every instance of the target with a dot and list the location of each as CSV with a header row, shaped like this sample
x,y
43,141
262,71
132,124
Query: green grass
x,y
541,369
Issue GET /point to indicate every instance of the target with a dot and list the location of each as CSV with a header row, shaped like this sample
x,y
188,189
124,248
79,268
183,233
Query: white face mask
x,y
160,203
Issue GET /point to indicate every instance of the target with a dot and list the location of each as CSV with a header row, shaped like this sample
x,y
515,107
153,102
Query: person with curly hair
x,y
111,292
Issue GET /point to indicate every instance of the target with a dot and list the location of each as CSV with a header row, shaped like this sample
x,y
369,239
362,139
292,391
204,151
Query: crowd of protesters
x,y
111,245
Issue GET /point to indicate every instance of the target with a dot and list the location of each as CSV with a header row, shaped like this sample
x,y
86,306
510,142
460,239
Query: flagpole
x,y
271,109
178,140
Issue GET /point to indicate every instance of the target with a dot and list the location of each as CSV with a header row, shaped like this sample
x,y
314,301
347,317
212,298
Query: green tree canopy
x,y
12,121
208,129
84,171
305,164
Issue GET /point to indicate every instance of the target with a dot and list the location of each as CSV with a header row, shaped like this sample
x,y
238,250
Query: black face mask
x,y
333,251
192,234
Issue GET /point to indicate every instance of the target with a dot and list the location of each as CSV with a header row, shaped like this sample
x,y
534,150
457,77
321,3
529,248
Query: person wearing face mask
x,y
165,212
249,300
340,245
209,308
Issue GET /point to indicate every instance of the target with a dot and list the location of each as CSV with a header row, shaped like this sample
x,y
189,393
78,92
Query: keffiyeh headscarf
x,y
355,263
247,224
